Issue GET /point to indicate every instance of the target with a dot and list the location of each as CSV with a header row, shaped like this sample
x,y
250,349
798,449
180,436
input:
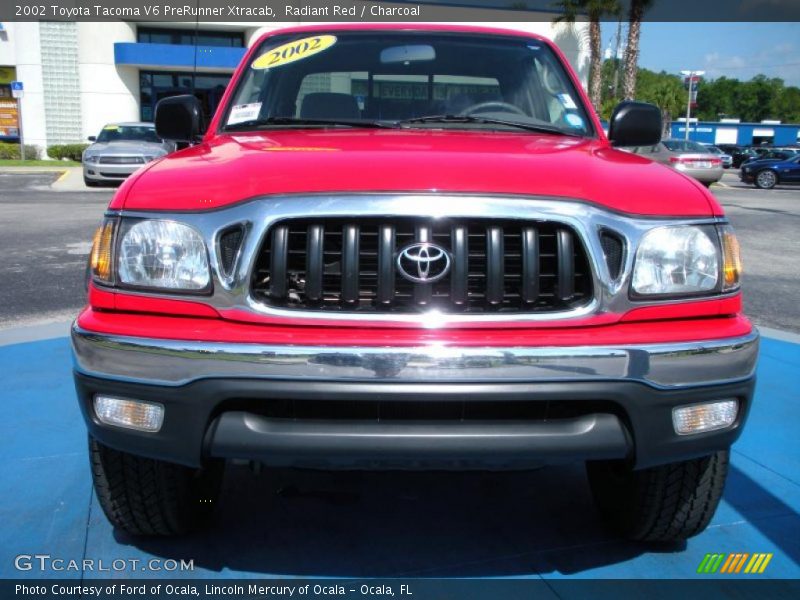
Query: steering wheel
x,y
482,106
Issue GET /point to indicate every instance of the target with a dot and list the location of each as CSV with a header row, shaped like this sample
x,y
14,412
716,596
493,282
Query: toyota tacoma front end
x,y
403,248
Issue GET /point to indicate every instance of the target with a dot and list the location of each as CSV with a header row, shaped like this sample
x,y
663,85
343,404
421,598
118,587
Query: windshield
x,y
128,133
685,146
387,78
778,155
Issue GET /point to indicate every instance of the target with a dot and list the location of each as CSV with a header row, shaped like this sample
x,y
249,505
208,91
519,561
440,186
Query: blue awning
x,y
176,56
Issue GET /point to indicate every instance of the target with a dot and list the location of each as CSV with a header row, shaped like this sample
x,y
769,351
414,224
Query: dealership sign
x,y
697,129
691,83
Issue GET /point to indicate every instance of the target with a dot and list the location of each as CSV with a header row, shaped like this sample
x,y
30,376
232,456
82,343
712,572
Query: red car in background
x,y
402,247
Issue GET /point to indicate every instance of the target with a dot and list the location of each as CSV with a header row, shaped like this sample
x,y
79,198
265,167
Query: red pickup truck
x,y
412,247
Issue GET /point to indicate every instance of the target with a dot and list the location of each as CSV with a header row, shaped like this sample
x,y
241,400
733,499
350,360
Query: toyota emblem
x,y
423,262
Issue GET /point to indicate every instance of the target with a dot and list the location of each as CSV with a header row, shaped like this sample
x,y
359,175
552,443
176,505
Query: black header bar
x,y
487,11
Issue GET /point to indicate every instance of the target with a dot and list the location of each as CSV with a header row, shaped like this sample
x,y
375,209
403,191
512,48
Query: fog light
x,y
704,417
133,414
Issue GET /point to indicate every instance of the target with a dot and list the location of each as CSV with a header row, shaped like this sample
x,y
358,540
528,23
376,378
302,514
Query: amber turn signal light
x,y
732,261
101,252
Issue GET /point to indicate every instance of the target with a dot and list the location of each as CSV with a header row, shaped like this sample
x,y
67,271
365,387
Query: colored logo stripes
x,y
736,562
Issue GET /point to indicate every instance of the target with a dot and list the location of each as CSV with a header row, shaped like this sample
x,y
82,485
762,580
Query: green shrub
x,y
7,150
66,151
10,151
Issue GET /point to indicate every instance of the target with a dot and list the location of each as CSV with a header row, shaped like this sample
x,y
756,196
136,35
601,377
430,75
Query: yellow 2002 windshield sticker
x,y
294,51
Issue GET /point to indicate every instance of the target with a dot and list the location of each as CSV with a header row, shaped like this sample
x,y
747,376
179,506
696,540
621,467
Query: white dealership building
x,y
79,76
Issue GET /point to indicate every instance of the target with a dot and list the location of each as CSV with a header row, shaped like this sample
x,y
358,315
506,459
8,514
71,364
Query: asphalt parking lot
x,y
766,222
46,239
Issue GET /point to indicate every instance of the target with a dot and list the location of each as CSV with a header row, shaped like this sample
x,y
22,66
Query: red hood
x,y
231,168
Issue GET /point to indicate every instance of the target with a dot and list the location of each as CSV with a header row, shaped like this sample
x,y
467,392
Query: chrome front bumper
x,y
219,401
176,363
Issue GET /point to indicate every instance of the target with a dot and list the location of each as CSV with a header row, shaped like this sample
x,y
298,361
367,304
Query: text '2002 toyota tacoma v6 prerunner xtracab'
x,y
412,247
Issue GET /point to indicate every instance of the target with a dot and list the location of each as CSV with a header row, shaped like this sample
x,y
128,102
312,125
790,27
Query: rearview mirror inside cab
x,y
407,54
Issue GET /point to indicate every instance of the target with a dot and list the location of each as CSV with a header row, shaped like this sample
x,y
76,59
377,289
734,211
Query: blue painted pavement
x,y
533,524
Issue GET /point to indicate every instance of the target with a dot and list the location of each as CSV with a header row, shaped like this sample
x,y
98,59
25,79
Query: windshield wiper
x,y
300,121
456,119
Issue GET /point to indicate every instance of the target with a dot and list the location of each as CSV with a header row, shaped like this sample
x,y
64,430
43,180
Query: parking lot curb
x,y
20,170
777,334
34,333
72,181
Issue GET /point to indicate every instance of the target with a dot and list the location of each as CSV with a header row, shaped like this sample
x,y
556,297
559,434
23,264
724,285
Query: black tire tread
x,y
671,502
150,497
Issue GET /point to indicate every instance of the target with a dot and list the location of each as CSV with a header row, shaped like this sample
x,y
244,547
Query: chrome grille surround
x,y
257,215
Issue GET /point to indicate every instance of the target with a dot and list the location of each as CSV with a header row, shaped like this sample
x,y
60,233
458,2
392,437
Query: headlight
x,y
676,261
163,254
91,159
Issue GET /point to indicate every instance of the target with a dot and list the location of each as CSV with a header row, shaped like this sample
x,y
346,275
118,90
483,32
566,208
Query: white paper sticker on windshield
x,y
567,101
573,120
244,112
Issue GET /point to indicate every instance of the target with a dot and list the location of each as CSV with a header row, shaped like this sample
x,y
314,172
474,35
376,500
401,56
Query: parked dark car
x,y
777,167
730,148
739,154
771,154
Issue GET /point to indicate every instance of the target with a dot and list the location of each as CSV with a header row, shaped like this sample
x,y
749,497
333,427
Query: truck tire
x,y
667,503
148,497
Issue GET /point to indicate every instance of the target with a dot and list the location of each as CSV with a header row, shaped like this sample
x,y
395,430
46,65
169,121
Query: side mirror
x,y
92,138
635,124
179,119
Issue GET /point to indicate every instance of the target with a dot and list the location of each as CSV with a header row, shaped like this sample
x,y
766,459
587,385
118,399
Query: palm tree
x,y
670,98
595,10
635,14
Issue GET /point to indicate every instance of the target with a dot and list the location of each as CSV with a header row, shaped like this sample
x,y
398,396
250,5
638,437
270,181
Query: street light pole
x,y
691,75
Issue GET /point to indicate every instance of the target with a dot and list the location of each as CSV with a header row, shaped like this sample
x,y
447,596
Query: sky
x,y
735,50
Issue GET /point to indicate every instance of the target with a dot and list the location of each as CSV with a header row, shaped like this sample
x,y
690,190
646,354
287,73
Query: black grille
x,y
423,410
121,160
350,265
613,251
229,242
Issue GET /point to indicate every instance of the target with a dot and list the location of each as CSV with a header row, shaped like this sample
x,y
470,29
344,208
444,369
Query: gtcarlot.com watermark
x,y
48,563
